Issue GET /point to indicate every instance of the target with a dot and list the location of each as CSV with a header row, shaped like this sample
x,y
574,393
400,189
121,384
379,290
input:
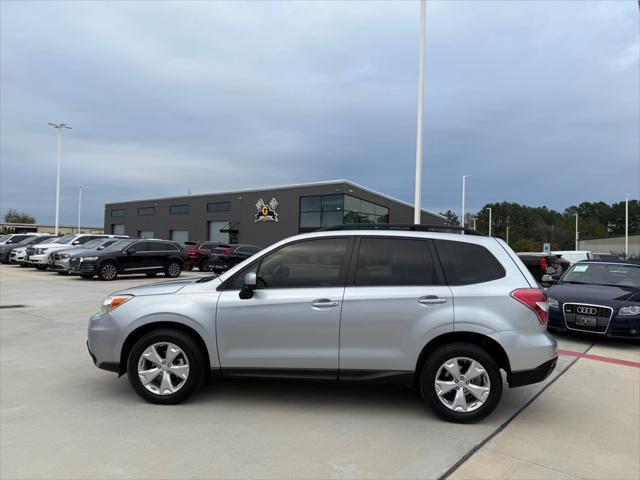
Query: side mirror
x,y
250,283
130,252
76,243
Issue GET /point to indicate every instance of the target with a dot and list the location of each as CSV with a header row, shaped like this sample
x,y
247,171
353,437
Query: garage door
x,y
180,236
215,235
117,229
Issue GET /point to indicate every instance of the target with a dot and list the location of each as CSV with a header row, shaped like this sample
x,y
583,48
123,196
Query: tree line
x,y
530,227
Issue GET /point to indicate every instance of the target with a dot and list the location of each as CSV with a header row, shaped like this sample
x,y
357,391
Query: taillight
x,y
535,300
543,265
228,250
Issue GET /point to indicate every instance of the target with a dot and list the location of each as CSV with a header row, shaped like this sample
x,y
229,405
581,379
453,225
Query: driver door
x,y
292,321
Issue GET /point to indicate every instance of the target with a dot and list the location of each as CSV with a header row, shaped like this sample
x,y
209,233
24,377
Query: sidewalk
x,y
585,425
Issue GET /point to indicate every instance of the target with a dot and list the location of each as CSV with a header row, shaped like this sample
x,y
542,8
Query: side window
x,y
83,240
395,261
139,247
467,263
206,246
314,263
253,250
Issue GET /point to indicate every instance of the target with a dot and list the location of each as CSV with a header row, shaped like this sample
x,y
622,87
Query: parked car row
x,y
108,256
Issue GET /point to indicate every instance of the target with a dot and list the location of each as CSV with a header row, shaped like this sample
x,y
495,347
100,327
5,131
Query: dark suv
x,y
130,256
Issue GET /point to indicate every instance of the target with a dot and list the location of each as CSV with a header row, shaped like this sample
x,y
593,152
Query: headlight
x,y
553,303
89,259
40,251
630,310
64,255
111,303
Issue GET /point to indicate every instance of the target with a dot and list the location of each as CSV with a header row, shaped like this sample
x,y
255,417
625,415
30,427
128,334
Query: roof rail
x,y
401,226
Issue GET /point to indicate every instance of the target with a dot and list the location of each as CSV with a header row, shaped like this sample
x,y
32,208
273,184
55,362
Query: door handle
x,y
431,300
324,303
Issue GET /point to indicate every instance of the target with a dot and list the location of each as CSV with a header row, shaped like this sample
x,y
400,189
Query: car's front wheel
x,y
173,269
165,366
107,271
461,382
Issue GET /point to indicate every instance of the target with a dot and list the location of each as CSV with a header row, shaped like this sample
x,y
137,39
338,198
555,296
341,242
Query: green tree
x,y
14,216
452,218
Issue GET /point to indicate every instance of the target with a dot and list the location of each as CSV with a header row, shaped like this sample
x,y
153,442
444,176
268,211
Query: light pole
x,y
464,189
474,223
418,193
79,206
507,234
626,225
489,221
59,126
577,235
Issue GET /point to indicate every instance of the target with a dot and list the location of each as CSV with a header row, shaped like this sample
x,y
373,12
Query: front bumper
x,y
41,259
16,257
527,377
61,264
103,341
82,268
623,327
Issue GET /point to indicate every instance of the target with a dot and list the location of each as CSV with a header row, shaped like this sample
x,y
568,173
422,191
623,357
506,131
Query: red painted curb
x,y
616,361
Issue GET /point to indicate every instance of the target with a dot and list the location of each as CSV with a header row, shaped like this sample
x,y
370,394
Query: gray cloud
x,y
538,101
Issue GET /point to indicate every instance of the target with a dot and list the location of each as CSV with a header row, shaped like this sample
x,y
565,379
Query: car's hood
x,y
53,246
570,292
158,288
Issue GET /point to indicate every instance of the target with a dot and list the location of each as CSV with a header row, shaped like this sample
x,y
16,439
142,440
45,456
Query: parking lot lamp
x,y
507,234
79,206
59,126
626,225
418,193
489,221
464,189
474,223
577,235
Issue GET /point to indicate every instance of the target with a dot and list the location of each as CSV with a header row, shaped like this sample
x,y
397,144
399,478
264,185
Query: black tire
x,y
42,268
88,276
151,274
62,272
108,271
192,352
189,267
204,266
432,366
172,269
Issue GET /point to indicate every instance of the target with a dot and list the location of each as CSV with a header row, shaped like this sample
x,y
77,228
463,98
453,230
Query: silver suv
x,y
442,312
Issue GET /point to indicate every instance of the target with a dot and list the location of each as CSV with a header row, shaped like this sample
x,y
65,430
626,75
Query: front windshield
x,y
4,237
613,274
119,245
68,238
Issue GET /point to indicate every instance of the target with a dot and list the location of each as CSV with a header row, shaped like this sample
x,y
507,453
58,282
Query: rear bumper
x,y
535,375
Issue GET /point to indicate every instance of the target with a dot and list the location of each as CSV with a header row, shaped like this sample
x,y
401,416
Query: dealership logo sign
x,y
266,211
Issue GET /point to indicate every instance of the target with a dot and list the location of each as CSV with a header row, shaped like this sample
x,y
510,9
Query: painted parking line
x,y
617,361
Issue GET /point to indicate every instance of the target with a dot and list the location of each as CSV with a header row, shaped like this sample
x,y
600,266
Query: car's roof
x,y
610,262
456,237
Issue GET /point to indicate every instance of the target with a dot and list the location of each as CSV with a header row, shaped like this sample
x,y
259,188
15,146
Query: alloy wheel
x,y
163,368
462,384
109,271
173,269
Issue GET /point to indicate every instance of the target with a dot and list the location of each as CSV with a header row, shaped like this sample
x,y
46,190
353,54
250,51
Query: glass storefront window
x,y
310,204
332,202
329,219
310,220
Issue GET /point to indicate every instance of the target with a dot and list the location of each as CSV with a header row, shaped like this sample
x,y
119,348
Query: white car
x,y
38,255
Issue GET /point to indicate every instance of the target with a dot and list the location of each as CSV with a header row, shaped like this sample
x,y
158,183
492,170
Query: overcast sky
x,y
538,101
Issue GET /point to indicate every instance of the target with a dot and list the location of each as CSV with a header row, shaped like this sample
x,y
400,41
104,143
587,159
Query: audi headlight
x,y
630,310
111,303
40,251
89,259
64,255
553,303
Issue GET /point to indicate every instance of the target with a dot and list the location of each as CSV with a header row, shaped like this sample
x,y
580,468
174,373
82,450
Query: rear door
x,y
395,297
135,258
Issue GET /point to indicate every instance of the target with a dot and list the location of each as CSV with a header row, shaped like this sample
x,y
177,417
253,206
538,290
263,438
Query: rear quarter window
x,y
467,263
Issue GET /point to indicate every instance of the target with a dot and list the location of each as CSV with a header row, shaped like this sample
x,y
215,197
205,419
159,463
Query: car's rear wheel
x,y
165,366
108,271
173,269
461,382
204,266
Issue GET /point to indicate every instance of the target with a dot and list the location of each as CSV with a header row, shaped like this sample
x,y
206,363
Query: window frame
x,y
123,210
152,209
179,205
344,268
226,203
353,267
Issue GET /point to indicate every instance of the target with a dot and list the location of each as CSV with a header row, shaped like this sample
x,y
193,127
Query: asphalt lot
x,y
60,417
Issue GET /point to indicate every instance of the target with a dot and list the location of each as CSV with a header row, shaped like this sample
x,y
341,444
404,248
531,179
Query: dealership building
x,y
258,216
